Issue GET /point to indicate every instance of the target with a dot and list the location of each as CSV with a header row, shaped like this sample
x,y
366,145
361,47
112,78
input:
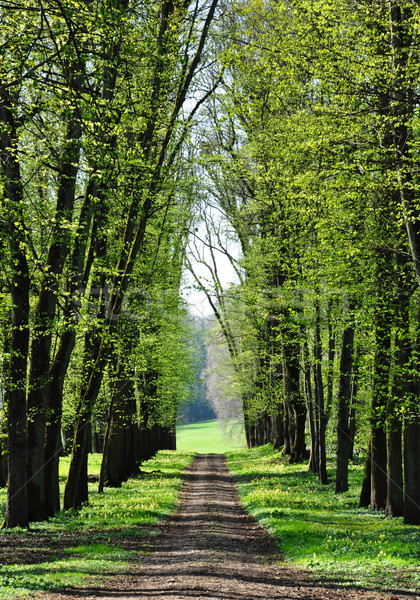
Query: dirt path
x,y
211,550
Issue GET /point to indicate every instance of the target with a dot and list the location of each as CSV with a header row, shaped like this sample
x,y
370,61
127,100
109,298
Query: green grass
x,y
210,436
78,547
325,532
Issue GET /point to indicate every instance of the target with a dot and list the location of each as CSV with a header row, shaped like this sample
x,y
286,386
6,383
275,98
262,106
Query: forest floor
x,y
210,549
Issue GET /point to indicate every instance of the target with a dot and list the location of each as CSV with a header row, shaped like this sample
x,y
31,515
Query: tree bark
x,y
320,402
343,411
411,469
39,372
364,500
401,388
15,391
313,456
379,405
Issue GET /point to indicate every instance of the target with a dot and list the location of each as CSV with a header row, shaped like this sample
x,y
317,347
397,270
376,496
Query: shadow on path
x,y
212,550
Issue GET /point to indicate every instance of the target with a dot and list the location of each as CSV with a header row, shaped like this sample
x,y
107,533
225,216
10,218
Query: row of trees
x,y
306,149
96,105
310,152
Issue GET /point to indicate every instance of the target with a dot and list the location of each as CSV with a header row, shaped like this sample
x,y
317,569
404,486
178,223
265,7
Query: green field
x,y
326,532
210,436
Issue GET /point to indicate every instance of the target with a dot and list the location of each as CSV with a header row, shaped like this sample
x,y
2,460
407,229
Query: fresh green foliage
x,y
76,547
325,532
211,436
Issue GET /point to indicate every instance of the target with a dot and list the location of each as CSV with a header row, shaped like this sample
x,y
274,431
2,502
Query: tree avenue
x,y
287,130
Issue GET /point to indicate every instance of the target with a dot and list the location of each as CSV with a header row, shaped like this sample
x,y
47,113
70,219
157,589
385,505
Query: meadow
x,y
211,436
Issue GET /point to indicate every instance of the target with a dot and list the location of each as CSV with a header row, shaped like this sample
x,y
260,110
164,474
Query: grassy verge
x,y
79,547
211,436
325,532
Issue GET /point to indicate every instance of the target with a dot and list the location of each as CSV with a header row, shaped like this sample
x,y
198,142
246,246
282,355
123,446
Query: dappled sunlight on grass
x,y
324,531
78,547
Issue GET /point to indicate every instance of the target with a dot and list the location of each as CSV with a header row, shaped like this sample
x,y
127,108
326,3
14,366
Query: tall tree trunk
x,y
319,394
39,380
402,386
412,440
343,411
15,391
380,395
411,468
313,464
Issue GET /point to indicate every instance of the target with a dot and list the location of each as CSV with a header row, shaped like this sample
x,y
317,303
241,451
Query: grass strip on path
x,y
80,547
323,531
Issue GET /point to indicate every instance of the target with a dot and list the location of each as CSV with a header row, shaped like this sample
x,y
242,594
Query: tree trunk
x,y
402,386
331,358
53,442
119,461
364,500
277,432
343,401
17,490
379,405
411,469
39,380
15,389
353,404
313,456
76,488
319,394
412,440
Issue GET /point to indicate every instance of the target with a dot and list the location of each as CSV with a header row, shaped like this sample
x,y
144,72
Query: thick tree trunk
x,y
412,440
343,411
76,489
15,389
247,424
411,469
17,490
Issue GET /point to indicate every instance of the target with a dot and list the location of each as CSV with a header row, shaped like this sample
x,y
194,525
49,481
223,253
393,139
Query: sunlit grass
x,y
211,436
323,531
78,547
